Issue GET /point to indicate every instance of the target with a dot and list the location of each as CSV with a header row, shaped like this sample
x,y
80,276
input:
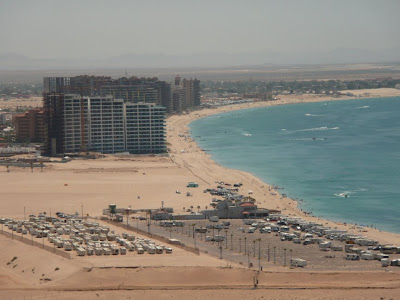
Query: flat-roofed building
x,y
53,109
185,94
107,125
29,126
145,128
2,118
106,130
132,89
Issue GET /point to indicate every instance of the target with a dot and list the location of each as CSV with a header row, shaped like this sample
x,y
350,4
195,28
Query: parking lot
x,y
270,249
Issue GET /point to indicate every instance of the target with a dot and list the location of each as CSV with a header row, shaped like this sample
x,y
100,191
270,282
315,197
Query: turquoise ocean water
x,y
318,152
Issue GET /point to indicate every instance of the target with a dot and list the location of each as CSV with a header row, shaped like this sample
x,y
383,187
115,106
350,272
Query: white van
x,y
214,219
251,230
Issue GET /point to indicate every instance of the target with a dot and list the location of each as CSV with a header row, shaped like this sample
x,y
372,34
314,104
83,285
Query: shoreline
x,y
288,206
86,186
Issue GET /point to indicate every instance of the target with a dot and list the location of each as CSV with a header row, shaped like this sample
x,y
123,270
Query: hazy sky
x,y
97,29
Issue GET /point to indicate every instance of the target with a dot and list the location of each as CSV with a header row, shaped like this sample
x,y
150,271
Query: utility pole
x,y
82,210
259,254
254,248
284,256
291,257
194,237
274,254
268,253
24,214
128,210
231,241
240,245
226,239
245,246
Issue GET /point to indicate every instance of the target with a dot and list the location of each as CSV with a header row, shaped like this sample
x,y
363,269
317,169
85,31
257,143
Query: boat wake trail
x,y
346,194
311,115
311,139
318,129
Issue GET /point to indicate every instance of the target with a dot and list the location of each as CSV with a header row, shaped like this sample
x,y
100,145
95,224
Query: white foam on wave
x,y
361,107
344,194
311,115
247,134
311,139
319,129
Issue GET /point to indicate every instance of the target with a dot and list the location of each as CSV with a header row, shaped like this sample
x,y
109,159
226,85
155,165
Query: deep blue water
x,y
318,152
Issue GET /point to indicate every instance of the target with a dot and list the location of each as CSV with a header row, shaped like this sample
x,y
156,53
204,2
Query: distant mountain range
x,y
13,61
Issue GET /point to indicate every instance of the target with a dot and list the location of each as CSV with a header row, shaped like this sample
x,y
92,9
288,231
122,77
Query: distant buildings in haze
x,y
132,89
185,94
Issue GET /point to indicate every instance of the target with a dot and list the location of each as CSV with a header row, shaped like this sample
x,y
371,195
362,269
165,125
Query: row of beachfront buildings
x,y
177,96
97,113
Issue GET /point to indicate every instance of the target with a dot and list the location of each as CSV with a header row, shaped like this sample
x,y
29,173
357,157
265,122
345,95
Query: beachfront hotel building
x,y
103,124
145,128
132,89
175,97
185,94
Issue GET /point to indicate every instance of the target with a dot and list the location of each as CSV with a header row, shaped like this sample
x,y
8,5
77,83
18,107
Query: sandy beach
x,y
197,159
89,186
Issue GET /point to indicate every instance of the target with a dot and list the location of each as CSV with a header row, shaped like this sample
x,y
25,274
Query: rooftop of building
x,y
247,204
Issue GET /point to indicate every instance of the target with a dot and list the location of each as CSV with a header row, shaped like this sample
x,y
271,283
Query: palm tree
x,y
198,208
206,207
183,208
191,207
